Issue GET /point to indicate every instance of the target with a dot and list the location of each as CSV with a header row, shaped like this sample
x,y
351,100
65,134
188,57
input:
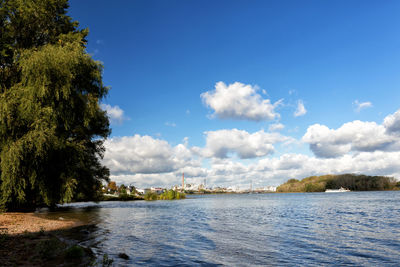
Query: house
x,y
157,190
143,191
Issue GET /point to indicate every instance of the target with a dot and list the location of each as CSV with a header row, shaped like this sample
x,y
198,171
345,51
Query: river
x,y
310,229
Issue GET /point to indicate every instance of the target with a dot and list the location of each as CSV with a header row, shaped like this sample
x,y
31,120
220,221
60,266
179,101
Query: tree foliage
x,y
51,126
112,186
354,182
361,182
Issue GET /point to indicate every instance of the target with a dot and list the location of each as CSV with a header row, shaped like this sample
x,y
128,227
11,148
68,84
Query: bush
x,y
150,196
171,195
167,195
74,252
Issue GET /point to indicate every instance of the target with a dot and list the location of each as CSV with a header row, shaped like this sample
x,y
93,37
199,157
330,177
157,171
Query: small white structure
x,y
270,188
157,190
340,190
143,191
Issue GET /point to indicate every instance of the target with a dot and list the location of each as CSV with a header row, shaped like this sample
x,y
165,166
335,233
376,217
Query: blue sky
x,y
340,59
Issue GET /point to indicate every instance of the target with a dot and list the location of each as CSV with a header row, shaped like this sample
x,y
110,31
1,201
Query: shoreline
x,y
30,240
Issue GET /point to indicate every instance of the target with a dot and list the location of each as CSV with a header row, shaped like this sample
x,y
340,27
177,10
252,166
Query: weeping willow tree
x,y
51,126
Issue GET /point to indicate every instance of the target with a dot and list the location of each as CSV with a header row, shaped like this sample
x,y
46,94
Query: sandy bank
x,y
19,223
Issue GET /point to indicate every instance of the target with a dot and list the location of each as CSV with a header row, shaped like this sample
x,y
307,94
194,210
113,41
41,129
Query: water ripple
x,y
356,228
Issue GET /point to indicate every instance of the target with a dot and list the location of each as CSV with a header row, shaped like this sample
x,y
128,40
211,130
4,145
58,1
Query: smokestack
x,y
183,181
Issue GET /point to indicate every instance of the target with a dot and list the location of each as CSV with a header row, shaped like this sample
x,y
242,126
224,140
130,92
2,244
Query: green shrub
x,y
150,196
74,252
167,195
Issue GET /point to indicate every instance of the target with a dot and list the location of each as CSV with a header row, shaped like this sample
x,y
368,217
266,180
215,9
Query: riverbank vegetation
x,y
52,128
30,240
166,195
41,249
353,182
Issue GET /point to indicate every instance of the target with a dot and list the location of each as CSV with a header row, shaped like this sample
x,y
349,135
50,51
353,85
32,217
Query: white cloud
x,y
360,106
139,154
355,147
170,124
275,171
144,156
115,113
239,101
301,110
356,136
300,166
221,143
392,123
276,127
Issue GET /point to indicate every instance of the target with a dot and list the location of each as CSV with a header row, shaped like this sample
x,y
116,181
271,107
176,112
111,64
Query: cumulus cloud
x,y
115,113
300,110
276,127
275,171
392,123
150,159
138,154
239,101
356,136
267,171
355,147
299,166
358,106
221,143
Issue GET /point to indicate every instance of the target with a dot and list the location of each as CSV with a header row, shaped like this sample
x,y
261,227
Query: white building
x,y
270,188
143,191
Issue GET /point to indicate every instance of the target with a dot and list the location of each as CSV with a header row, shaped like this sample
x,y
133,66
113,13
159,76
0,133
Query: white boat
x,y
337,190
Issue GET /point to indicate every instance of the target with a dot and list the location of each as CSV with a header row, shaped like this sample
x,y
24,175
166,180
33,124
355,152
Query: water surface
x,y
313,229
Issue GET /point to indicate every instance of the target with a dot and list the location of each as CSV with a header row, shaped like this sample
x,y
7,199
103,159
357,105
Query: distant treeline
x,y
354,182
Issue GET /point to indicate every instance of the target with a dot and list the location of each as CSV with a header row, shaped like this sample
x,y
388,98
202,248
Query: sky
x,y
239,92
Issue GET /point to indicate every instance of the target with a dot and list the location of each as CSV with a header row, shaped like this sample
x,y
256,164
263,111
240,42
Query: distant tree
x,y
112,186
122,189
133,189
170,195
150,196
51,126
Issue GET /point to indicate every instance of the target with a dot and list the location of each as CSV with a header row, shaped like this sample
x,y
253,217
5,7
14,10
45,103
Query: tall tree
x,y
52,128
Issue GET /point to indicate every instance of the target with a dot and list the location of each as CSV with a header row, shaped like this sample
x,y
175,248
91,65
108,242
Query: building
x,y
143,191
157,190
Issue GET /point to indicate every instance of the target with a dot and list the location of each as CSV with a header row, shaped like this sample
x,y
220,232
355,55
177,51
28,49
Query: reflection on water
x,y
356,228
